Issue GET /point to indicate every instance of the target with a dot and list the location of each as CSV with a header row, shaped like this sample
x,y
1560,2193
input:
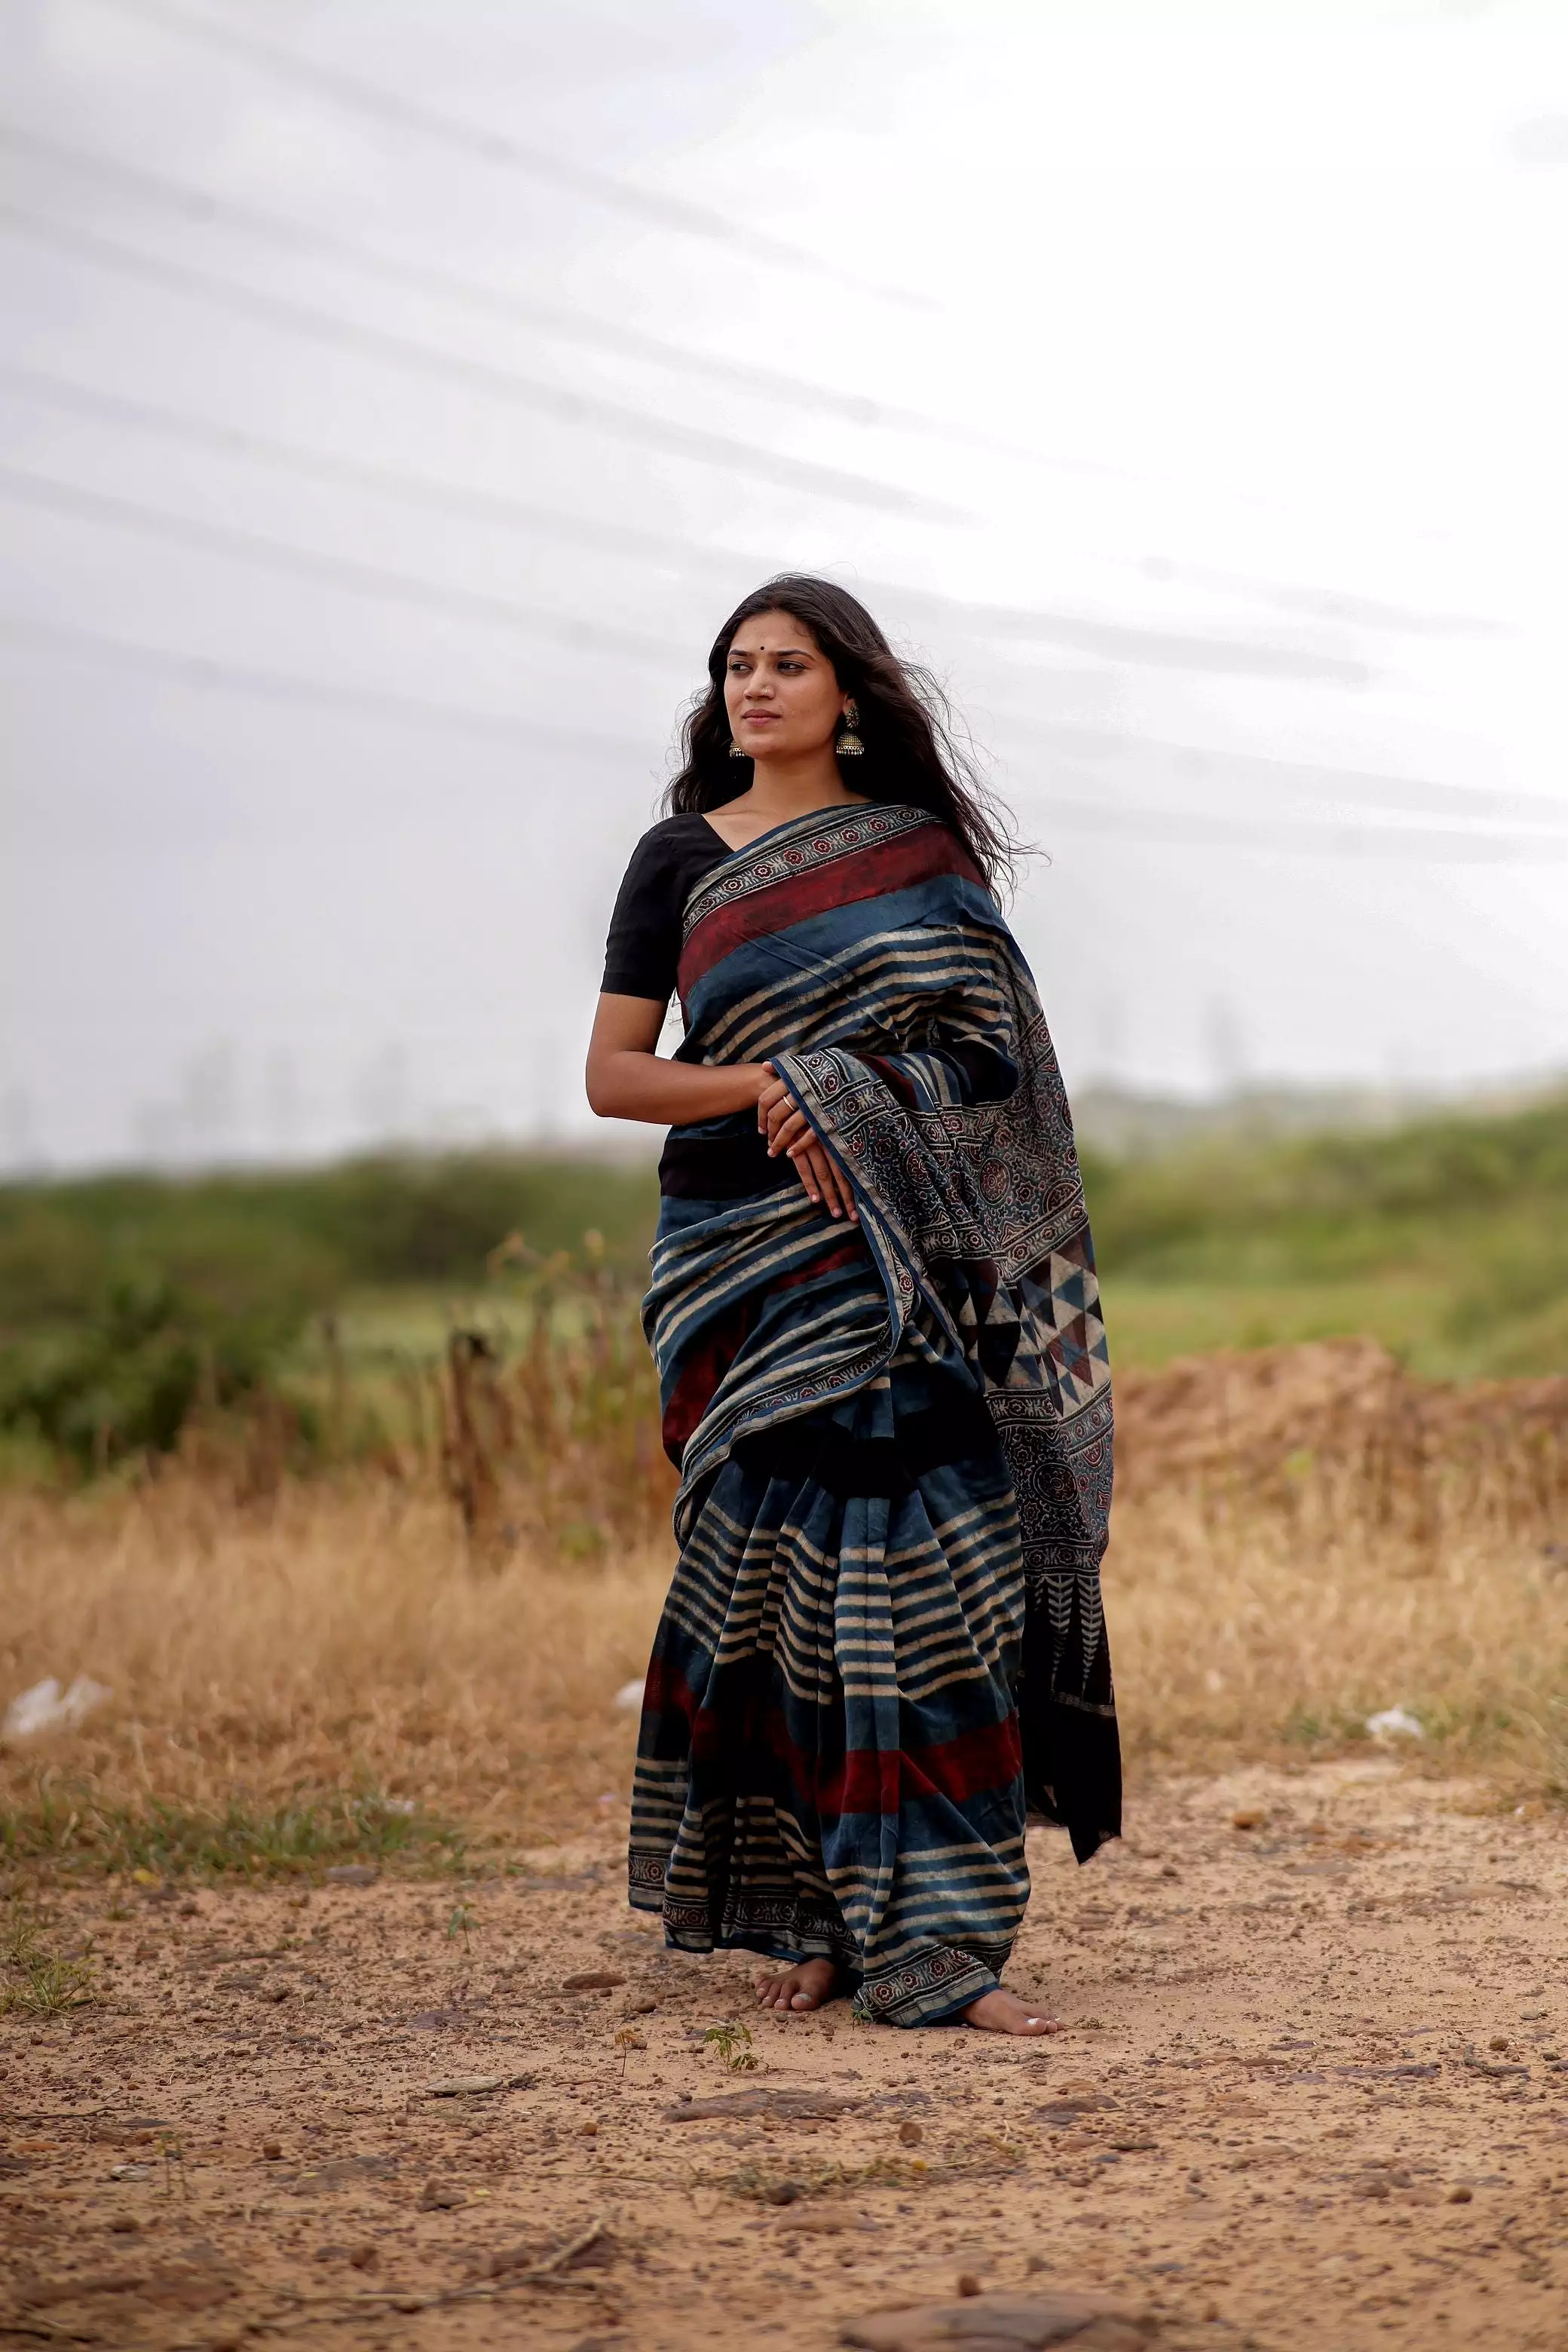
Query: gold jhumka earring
x,y
735,751
850,746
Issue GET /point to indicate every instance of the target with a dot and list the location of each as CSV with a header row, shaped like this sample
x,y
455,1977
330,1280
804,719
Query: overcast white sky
x,y
395,395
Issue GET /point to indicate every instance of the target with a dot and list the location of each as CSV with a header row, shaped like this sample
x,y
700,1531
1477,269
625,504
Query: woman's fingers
x,y
823,1181
842,1187
774,1093
787,1129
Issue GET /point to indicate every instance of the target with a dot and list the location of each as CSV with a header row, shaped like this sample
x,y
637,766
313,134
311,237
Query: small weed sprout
x,y
628,2039
34,1981
464,1917
171,2148
734,2043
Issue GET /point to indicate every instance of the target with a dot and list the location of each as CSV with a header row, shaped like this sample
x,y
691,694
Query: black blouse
x,y
644,946
717,1158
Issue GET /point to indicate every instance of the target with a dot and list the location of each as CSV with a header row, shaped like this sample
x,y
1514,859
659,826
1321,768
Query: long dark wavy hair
x,y
906,724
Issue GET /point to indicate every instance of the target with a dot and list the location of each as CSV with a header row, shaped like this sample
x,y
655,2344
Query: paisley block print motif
x,y
884,1641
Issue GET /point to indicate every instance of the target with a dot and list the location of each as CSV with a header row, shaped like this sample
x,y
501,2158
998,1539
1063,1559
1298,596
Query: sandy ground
x,y
1309,2093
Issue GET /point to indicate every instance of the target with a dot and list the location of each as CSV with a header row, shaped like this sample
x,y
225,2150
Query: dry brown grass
x,y
1329,1558
336,1638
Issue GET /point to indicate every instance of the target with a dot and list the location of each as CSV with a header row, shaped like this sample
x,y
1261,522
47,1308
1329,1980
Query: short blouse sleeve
x,y
643,950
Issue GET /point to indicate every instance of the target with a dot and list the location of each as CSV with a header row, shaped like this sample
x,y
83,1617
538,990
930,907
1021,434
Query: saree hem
x,y
926,1990
766,1924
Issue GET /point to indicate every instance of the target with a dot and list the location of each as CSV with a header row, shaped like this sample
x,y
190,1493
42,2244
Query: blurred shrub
x,y
1334,1204
385,1221
130,1302
127,1372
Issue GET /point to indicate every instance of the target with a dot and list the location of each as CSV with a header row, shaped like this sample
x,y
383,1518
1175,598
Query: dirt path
x,y
1309,2094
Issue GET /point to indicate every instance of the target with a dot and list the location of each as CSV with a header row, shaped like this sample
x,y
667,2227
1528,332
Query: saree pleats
x,y
831,1763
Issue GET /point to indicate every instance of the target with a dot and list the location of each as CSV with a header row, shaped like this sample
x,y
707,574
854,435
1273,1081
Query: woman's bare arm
x,y
628,1079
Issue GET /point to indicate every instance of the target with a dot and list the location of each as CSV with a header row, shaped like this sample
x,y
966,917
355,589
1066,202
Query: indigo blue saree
x,y
883,1649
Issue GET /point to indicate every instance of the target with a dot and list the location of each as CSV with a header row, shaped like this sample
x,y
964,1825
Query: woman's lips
x,y
760,719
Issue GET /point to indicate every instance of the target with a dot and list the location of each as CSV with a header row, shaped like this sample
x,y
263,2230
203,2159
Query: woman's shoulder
x,y
671,857
676,841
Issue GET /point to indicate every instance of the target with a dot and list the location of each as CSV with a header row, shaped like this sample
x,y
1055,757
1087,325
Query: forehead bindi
x,y
773,633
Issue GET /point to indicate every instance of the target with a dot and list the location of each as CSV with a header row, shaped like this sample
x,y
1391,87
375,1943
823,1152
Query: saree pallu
x,y
883,1646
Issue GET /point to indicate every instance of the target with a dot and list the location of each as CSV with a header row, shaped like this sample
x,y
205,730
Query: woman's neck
x,y
779,792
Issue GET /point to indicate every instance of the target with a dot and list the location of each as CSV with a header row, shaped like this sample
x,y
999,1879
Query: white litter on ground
x,y
46,1707
628,1698
1396,1723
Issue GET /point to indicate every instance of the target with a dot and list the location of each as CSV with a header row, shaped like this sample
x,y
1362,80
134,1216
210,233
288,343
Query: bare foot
x,y
1004,2012
807,1985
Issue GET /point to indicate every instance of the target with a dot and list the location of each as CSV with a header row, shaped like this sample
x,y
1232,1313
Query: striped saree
x,y
883,1646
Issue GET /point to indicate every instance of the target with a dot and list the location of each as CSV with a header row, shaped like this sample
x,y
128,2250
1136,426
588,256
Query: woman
x,y
876,1320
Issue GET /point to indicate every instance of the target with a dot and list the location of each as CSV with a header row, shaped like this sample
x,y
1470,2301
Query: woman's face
x,y
782,697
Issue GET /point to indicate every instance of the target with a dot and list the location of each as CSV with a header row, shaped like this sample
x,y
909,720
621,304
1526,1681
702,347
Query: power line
x,y
1114,640
423,491
1163,827
341,572
201,205
1187,829
1111,640
1085,746
1095,749
577,409
201,672
857,408
500,149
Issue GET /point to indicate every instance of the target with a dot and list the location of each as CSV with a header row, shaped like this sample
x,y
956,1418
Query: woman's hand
x,y
789,1131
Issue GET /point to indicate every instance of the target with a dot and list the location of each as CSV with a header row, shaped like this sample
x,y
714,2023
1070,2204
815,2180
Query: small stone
x,y
190,1908
125,2225
1248,1820
1003,2323
366,2258
353,1873
1460,2194
1169,1870
439,2197
910,2133
643,2006
784,2192
594,1980
276,1992
968,2283
588,2128
272,2149
1498,2041
407,2303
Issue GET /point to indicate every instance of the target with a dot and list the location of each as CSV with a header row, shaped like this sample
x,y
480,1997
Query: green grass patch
x,y
77,1833
35,1981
